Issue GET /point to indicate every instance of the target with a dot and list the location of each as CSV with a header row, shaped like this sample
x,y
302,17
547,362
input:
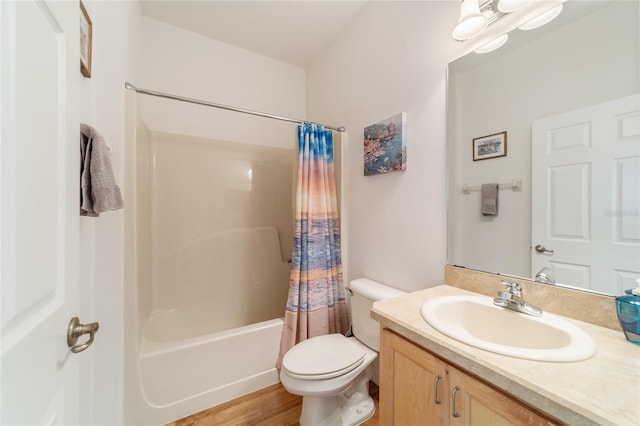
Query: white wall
x,y
537,80
182,63
115,25
392,58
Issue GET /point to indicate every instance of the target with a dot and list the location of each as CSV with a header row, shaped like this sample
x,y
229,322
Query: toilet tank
x,y
363,293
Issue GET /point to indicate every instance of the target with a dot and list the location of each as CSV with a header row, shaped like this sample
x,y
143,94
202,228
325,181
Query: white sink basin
x,y
478,322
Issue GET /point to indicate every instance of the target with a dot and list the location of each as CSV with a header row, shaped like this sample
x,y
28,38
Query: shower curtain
x,y
316,302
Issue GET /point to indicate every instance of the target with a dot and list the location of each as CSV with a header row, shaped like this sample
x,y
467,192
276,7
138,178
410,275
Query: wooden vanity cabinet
x,y
418,388
413,384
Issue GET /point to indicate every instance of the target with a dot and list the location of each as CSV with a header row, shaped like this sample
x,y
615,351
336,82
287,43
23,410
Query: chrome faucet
x,y
512,299
545,276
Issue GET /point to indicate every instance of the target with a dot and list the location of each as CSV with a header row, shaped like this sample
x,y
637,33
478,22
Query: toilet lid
x,y
322,357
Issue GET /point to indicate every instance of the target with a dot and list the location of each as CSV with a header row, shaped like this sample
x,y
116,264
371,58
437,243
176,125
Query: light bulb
x,y
471,22
493,44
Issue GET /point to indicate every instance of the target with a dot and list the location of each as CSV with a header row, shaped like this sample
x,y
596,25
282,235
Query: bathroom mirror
x,y
585,60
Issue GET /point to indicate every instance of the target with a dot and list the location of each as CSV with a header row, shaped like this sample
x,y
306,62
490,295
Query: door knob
x,y
541,249
76,330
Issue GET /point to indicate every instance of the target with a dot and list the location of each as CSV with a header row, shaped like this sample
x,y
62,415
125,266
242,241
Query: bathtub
x,y
238,361
214,340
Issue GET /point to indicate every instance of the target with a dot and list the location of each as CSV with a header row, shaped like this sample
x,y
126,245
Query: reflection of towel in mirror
x,y
98,189
489,197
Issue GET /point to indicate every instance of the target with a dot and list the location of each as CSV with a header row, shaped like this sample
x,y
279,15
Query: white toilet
x,y
332,372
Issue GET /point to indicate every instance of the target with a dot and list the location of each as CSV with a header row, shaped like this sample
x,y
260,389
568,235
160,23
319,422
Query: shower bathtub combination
x,y
209,228
217,343
208,240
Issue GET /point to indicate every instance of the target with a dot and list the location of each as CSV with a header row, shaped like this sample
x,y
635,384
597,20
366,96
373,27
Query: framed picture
x,y
490,146
385,146
86,33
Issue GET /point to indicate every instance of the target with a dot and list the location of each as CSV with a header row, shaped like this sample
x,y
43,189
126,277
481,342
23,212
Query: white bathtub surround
x,y
212,227
218,282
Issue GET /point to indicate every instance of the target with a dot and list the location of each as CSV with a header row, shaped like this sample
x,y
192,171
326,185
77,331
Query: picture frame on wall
x,y
86,35
385,146
490,146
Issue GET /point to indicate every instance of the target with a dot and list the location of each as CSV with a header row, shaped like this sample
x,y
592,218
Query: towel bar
x,y
515,185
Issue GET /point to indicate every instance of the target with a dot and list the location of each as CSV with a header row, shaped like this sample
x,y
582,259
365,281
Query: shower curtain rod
x,y
227,107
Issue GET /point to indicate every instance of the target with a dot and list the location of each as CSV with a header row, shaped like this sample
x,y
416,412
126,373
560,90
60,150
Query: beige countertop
x,y
604,389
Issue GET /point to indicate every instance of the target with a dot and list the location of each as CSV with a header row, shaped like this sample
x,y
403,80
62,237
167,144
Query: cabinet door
x,y
474,403
413,384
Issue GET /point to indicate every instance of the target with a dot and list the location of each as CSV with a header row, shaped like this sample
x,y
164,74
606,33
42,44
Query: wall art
x,y
86,35
490,146
385,146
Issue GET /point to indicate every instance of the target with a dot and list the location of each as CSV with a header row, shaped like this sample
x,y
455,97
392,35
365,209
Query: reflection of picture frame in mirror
x,y
490,146
86,33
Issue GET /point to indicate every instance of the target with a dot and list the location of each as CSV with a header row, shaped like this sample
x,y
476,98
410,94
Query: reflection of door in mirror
x,y
589,55
586,194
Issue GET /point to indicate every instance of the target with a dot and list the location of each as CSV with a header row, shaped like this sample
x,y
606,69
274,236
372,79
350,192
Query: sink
x,y
476,321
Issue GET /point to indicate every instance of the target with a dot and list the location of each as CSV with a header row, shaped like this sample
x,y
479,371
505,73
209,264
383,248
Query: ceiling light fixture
x,y
477,15
493,44
542,19
471,22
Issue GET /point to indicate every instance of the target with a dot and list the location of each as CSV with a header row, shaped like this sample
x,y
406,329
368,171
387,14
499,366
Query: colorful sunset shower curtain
x,y
316,303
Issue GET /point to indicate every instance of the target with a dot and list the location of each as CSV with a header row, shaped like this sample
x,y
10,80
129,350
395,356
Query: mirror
x,y
586,58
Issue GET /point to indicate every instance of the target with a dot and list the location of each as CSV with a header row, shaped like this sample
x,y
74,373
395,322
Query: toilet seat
x,y
322,357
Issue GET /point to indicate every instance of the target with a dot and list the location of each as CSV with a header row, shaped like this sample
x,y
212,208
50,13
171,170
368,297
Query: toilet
x,y
332,372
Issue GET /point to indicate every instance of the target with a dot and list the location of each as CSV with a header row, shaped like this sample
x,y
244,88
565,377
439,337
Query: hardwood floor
x,y
271,406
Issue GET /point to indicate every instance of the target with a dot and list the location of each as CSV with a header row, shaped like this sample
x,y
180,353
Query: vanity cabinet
x,y
413,384
418,388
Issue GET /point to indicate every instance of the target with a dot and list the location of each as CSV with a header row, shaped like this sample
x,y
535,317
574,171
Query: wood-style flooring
x,y
271,406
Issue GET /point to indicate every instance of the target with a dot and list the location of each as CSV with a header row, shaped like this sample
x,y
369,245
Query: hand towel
x,y
489,197
99,191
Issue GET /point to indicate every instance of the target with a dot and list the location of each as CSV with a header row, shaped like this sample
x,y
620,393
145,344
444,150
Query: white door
x,y
586,195
39,222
